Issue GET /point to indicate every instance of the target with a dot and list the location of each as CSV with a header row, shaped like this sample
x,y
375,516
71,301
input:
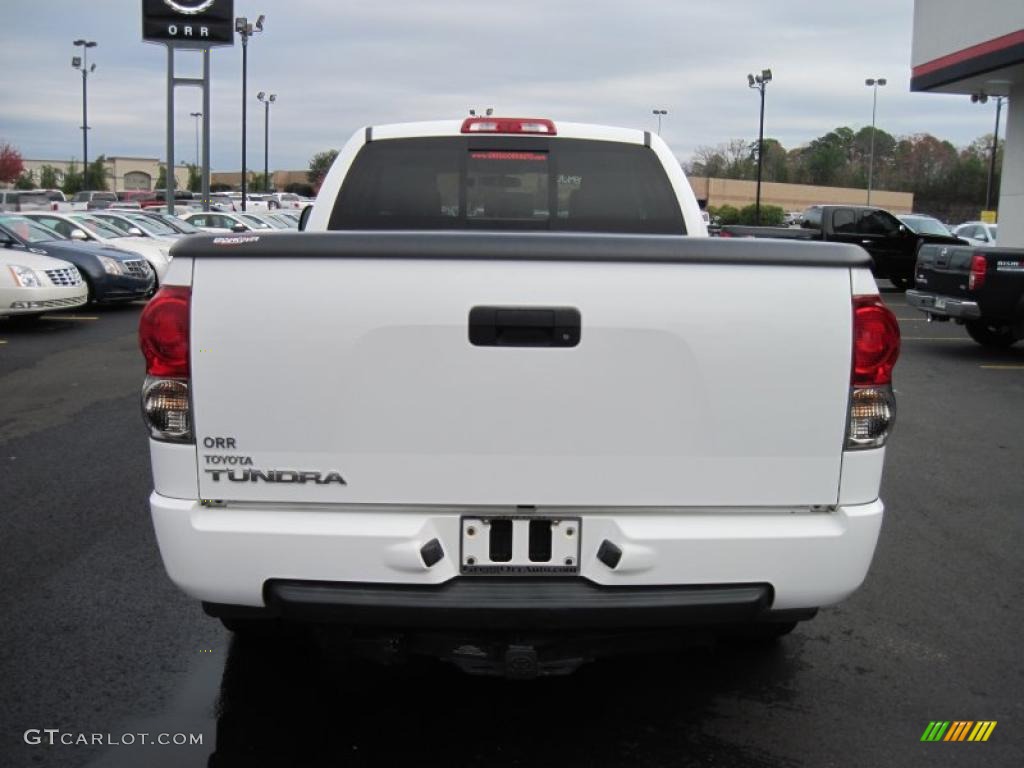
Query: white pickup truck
x,y
503,400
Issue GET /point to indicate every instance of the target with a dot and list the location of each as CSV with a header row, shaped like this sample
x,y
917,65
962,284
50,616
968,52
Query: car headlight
x,y
111,266
25,277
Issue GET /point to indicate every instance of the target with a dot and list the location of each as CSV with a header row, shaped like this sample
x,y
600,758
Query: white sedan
x,y
228,222
977,232
31,284
87,227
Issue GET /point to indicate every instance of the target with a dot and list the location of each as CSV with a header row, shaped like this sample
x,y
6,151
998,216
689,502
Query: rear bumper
x,y
260,555
519,604
944,306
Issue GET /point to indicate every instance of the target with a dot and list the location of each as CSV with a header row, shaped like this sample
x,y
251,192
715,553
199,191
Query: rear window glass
x,y
548,184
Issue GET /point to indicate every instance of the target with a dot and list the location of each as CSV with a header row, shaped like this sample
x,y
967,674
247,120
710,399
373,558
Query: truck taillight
x,y
508,125
164,339
978,266
876,347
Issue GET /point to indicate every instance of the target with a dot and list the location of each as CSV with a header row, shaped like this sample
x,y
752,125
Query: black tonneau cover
x,y
522,246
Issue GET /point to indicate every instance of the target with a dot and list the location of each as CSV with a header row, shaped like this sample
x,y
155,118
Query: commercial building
x,y
123,173
794,197
977,48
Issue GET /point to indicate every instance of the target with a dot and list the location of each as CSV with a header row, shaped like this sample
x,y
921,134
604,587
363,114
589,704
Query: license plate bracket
x,y
520,545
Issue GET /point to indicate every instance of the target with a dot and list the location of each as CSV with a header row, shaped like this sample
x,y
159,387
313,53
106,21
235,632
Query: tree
x,y
726,214
11,165
73,181
49,178
771,215
319,164
776,159
258,182
161,178
707,161
195,179
25,181
96,174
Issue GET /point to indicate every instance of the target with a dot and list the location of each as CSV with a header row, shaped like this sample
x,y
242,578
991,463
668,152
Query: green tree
x,y
727,214
258,182
73,181
319,164
161,178
96,175
48,177
195,179
771,215
25,181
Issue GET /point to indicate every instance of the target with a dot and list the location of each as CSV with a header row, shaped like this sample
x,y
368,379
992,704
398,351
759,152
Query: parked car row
x,y
51,260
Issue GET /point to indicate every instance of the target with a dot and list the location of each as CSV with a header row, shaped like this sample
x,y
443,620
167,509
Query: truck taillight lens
x,y
164,339
978,266
876,342
876,347
167,409
163,332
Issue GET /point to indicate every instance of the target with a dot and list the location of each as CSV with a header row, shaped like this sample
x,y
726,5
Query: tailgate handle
x,y
524,326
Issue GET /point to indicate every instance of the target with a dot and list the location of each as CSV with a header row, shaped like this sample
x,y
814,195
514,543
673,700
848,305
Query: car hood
x,y
76,253
30,258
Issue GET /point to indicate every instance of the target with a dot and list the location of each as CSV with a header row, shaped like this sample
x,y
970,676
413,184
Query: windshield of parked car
x,y
255,222
925,225
28,230
97,227
508,183
178,225
149,225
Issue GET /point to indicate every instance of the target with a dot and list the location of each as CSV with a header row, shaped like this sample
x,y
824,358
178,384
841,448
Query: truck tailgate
x,y
693,384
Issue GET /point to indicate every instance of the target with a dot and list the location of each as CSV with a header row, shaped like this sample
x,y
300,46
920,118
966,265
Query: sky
x,y
337,65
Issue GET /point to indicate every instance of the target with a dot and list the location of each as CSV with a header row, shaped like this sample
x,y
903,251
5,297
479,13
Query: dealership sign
x,y
188,23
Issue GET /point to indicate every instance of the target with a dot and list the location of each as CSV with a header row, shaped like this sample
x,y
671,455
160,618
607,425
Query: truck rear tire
x,y
991,336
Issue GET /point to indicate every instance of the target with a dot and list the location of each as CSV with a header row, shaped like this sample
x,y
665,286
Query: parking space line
x,y
2,341
69,317
1003,367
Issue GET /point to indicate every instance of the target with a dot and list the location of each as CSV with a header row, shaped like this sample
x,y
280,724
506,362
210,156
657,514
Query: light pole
x,y
82,63
759,82
981,98
246,30
659,113
197,115
267,101
873,83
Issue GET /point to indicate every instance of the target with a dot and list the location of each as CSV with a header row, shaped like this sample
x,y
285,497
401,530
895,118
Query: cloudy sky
x,y
337,65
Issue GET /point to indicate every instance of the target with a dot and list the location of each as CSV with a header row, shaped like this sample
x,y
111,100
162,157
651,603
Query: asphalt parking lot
x,y
96,640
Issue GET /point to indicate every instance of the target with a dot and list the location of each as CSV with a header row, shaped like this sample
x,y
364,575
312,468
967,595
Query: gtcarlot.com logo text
x,y
57,737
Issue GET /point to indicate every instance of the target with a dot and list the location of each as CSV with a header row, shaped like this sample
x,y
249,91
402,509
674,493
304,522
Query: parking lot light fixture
x,y
82,63
659,113
246,30
759,83
873,83
197,115
267,101
982,98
